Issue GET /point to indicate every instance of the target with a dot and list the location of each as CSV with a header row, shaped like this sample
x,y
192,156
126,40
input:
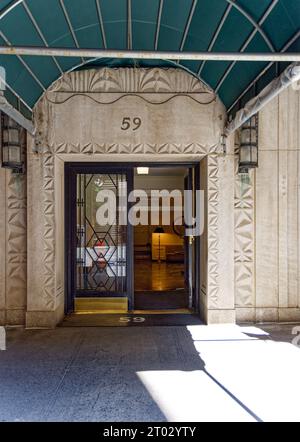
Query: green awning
x,y
164,25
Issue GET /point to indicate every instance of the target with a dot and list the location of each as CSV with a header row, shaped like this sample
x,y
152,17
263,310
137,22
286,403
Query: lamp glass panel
x,y
5,154
245,154
14,136
254,154
14,154
249,136
11,136
5,135
254,134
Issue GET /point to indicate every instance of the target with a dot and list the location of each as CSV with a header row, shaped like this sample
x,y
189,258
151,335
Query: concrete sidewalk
x,y
194,373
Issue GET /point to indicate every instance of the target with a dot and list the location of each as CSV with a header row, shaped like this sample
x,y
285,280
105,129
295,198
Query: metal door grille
x,y
101,249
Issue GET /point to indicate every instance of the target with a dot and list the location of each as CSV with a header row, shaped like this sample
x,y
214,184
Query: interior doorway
x,y
161,251
123,264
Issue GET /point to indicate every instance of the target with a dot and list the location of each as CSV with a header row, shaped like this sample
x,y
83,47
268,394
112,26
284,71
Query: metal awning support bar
x,y
261,74
154,55
36,26
188,24
13,113
100,18
216,35
129,25
64,9
36,79
247,42
161,5
288,77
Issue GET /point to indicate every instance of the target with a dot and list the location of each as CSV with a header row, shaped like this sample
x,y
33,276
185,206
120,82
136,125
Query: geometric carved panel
x,y
128,80
213,272
161,84
49,230
139,149
244,239
16,238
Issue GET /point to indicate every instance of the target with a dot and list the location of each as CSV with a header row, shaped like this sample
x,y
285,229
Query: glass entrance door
x,y
99,238
100,243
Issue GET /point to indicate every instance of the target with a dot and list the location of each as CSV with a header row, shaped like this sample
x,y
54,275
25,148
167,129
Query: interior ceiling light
x,y
143,170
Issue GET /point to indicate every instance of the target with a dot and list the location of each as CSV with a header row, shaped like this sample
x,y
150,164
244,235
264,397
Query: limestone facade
x,y
249,268
13,248
267,219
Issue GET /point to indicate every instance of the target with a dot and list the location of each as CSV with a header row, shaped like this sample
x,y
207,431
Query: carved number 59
x,y
127,123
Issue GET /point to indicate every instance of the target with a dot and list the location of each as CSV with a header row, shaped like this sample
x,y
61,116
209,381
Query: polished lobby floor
x,y
150,275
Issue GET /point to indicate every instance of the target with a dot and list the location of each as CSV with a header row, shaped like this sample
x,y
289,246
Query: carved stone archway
x,y
79,119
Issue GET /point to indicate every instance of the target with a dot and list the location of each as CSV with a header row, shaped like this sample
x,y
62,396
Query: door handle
x,y
191,240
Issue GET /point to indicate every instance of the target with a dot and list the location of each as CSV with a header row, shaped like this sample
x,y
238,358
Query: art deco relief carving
x,y
105,86
130,80
244,239
115,81
167,148
213,234
16,239
156,86
49,229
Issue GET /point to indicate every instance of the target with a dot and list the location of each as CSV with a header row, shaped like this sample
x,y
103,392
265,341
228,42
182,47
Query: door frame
x,y
70,171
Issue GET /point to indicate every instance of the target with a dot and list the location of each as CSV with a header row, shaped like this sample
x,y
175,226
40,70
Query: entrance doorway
x,y
161,250
140,258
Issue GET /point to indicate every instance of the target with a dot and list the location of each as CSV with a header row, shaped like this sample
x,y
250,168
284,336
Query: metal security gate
x,y
98,239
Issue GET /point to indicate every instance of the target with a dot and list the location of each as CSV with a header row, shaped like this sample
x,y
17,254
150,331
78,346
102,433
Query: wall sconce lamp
x,y
248,154
13,143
